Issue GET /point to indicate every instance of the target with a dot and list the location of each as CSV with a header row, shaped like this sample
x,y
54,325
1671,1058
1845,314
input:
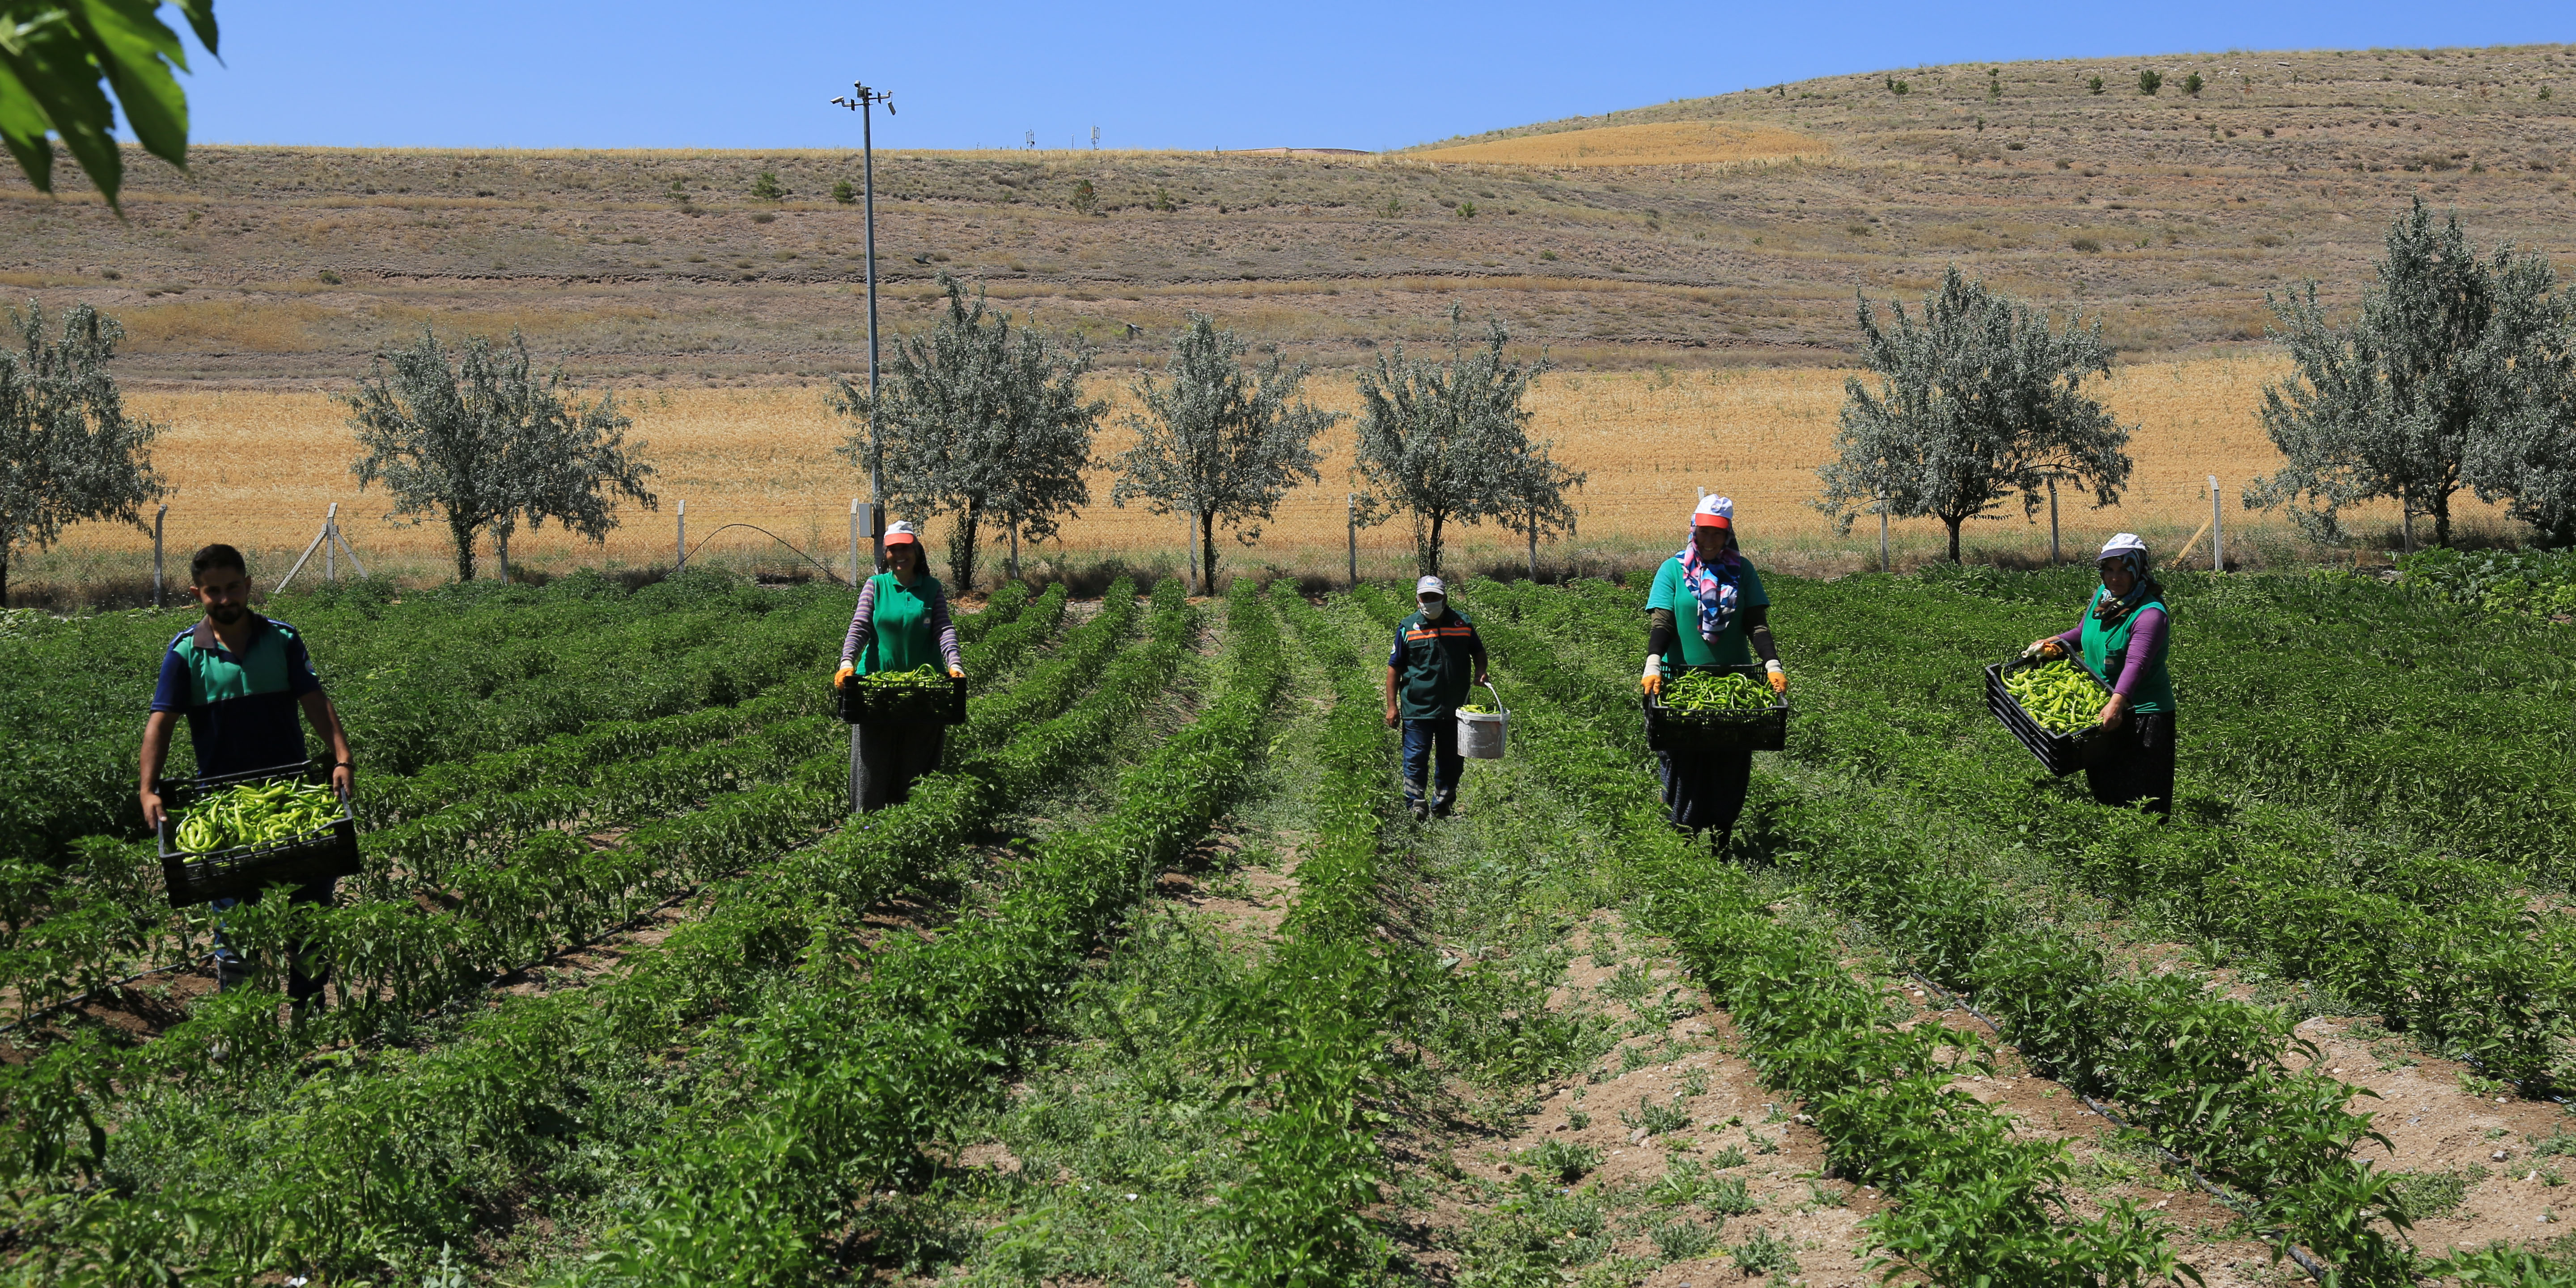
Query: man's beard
x,y
225,614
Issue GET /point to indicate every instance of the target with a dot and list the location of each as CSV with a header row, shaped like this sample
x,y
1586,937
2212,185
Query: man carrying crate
x,y
239,678
1434,651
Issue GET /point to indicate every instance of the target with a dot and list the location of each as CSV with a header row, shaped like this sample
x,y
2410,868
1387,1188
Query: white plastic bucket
x,y
1480,737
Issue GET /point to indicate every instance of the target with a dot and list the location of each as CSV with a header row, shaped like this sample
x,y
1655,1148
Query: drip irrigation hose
x,y
2307,1260
702,544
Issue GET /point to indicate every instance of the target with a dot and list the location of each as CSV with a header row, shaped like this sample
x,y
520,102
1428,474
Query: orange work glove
x,y
957,673
1779,680
1653,679
841,677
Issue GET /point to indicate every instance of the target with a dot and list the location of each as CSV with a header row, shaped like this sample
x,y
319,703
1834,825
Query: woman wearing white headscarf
x,y
1708,608
2125,635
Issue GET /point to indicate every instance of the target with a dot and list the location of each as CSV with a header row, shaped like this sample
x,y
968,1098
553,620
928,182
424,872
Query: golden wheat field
x,y
1667,143
259,469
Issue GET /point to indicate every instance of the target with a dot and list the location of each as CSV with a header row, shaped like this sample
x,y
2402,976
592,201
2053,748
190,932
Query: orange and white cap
x,y
899,533
1714,512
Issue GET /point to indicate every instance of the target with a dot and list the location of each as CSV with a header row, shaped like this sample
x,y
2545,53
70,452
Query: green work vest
x,y
1435,664
2155,693
900,617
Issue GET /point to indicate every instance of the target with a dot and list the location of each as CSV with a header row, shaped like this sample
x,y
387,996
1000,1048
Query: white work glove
x,y
1653,678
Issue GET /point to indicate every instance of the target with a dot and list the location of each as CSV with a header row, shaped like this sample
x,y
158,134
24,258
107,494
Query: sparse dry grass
x,y
258,469
1667,143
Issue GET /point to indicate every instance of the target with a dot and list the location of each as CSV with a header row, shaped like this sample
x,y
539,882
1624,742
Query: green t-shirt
x,y
1731,648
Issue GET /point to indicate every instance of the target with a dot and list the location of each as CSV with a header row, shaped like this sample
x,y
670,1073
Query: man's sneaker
x,y
1447,804
1420,810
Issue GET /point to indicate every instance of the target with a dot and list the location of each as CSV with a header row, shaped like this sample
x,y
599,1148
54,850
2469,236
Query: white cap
x,y
899,531
1714,512
1429,586
2121,544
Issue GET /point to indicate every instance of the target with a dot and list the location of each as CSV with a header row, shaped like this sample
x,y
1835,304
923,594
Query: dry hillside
x,y
1743,241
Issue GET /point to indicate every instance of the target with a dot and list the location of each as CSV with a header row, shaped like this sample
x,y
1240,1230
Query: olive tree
x,y
1980,399
487,442
979,422
56,57
2442,381
1220,443
68,451
1448,442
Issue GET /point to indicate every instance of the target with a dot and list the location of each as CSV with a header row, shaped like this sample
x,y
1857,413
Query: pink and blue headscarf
x,y
1716,585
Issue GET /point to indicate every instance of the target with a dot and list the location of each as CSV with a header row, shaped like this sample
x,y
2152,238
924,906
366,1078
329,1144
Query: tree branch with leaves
x,y
1221,443
1980,399
59,59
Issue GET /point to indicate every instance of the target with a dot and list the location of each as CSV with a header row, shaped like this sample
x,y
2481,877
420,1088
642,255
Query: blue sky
x,y
745,74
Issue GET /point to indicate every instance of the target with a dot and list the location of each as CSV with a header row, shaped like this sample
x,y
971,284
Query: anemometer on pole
x,y
863,101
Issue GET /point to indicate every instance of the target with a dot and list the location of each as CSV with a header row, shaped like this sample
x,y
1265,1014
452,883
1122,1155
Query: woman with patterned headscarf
x,y
2125,636
1706,608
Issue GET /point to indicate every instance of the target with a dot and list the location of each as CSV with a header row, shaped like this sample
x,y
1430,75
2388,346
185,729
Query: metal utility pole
x,y
1882,532
1351,524
863,101
2053,558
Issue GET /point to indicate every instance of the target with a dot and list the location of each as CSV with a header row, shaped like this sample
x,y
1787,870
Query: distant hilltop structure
x,y
1295,152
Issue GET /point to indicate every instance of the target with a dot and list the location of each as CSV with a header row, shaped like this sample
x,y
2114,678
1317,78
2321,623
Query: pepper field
x,y
1155,982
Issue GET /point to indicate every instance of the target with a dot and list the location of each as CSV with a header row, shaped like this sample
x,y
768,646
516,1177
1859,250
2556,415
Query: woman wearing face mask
x,y
1708,609
902,623
2125,636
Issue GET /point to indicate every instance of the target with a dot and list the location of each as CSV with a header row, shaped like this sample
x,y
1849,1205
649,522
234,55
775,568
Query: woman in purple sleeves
x,y
2125,637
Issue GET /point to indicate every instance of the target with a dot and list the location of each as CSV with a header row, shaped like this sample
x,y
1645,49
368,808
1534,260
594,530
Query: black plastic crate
x,y
244,871
2061,753
1670,730
907,705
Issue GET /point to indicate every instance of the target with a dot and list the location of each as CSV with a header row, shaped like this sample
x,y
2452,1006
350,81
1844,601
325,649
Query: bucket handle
x,y
1498,698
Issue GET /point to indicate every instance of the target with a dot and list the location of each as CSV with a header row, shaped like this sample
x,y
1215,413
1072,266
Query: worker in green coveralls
x,y
1436,651
240,679
901,623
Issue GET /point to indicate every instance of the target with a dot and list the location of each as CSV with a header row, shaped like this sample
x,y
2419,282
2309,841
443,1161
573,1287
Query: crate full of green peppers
x,y
924,695
232,836
2053,707
1717,708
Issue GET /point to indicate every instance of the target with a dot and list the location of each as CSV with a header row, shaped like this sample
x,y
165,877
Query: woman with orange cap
x,y
1706,608
901,623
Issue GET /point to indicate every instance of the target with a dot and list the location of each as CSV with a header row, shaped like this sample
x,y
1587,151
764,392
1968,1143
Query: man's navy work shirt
x,y
241,708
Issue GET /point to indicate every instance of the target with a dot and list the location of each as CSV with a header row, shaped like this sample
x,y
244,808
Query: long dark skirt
x,y
2139,769
886,759
1705,790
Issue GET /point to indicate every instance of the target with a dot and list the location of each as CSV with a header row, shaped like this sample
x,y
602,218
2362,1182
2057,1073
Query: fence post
x,y
681,562
157,516
1533,543
331,552
2053,557
1882,532
1351,528
2217,534
854,543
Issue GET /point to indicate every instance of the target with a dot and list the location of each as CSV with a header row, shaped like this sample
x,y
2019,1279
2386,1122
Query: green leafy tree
x,y
68,451
55,57
1220,443
765,187
2450,369
2150,81
2191,84
980,423
1980,399
1086,199
1446,442
843,192
487,442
